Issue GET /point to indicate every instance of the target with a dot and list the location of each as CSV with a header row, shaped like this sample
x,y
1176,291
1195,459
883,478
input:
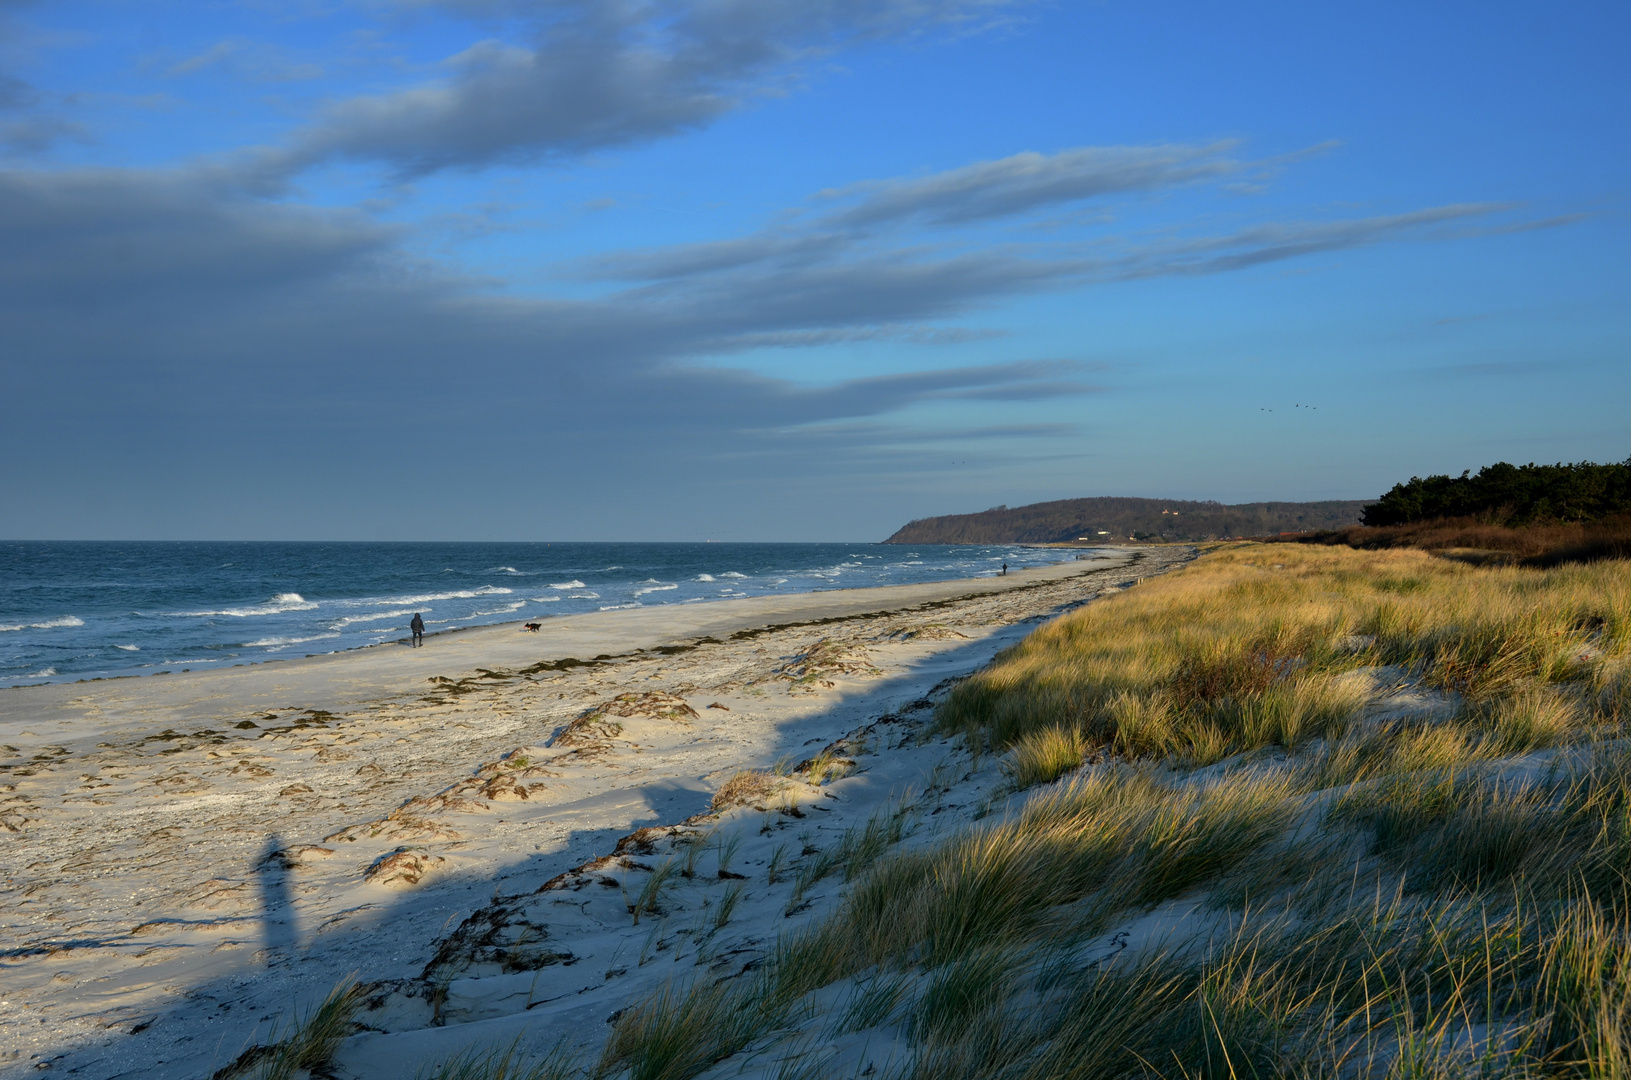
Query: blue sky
x,y
739,269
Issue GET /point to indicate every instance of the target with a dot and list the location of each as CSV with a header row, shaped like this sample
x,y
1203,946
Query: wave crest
x,y
49,624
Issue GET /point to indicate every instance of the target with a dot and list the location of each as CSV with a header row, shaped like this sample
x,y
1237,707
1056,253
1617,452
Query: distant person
x,y
418,628
1004,569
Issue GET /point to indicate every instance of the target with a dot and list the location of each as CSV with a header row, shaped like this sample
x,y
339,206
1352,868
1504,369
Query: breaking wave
x,y
283,601
377,615
505,610
49,624
425,598
267,643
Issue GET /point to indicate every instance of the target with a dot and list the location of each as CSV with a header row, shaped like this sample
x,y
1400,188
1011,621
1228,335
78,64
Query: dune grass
x,y
1248,648
506,1063
302,1043
1351,887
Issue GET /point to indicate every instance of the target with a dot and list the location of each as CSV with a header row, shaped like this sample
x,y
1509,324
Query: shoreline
x,y
210,664
191,855
379,668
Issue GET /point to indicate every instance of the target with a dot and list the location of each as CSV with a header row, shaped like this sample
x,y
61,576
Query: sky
x,y
770,270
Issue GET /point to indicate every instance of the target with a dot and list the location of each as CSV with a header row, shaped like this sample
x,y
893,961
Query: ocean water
x,y
85,610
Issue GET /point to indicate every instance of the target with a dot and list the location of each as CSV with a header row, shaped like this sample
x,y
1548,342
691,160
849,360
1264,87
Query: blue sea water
x,y
84,610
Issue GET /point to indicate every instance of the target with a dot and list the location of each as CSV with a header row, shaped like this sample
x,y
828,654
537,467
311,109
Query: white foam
x,y
399,613
509,570
654,588
618,607
583,596
462,594
573,584
732,573
49,624
269,642
283,601
546,599
129,648
45,674
505,610
705,577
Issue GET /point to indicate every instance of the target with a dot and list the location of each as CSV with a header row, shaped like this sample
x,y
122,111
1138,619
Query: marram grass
x,y
1390,893
1247,648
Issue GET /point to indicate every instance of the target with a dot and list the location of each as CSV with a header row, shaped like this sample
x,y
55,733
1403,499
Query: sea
x,y
85,610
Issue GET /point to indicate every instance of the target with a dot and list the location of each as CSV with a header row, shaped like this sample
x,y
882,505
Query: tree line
x,y
1512,495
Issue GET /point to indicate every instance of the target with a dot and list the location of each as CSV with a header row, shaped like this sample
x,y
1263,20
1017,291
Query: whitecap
x,y
704,577
732,573
573,584
266,643
129,648
583,596
546,599
283,601
49,624
654,588
376,616
45,674
505,610
462,594
506,570
617,607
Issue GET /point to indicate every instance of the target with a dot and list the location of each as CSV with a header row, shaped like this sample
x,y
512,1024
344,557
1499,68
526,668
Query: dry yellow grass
x,y
1243,649
1390,896
745,787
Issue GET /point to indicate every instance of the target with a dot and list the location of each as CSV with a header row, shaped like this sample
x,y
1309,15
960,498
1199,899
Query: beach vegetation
x,y
727,906
745,787
303,1043
650,894
1257,647
1289,812
506,1063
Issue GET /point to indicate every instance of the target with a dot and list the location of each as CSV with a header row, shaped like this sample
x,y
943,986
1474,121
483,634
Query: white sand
x,y
174,883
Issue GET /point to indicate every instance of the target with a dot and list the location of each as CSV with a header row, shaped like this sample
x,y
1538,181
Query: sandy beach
x,y
191,859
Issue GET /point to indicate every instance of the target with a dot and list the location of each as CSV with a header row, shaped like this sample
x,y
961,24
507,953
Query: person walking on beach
x,y
1004,574
418,628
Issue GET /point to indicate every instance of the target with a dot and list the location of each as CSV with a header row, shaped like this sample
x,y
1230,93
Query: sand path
x,y
186,858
